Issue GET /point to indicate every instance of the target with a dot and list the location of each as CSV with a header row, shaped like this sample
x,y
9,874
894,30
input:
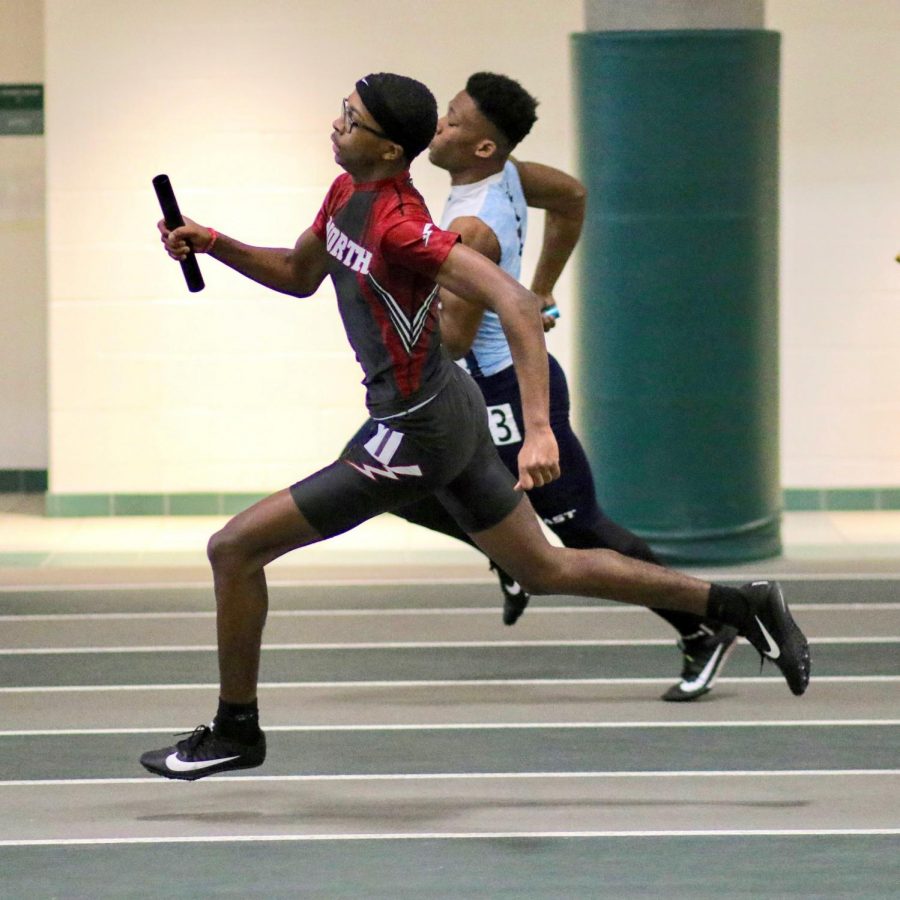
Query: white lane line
x,y
533,611
375,581
474,682
382,581
359,645
309,613
406,645
481,726
447,836
149,780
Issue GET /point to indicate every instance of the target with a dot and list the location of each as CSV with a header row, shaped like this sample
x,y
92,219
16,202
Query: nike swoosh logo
x,y
703,677
179,765
514,588
774,651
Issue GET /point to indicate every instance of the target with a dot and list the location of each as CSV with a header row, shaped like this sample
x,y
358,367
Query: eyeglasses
x,y
350,123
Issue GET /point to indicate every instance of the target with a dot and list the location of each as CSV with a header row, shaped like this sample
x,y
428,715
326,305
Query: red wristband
x,y
212,241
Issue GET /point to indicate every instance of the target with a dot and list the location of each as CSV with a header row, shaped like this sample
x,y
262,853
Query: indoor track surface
x,y
420,749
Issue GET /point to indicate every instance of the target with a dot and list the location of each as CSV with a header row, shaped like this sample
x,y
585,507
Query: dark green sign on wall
x,y
21,109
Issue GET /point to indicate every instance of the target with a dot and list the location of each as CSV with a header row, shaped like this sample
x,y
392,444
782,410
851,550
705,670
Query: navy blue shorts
x,y
573,496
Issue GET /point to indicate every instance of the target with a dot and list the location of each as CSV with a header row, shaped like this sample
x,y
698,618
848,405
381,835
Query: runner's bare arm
x,y
563,198
468,274
298,271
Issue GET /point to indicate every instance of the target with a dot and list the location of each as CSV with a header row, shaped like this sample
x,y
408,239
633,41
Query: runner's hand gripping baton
x,y
173,219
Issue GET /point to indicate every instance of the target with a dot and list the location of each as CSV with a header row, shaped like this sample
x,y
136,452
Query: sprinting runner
x,y
488,206
428,431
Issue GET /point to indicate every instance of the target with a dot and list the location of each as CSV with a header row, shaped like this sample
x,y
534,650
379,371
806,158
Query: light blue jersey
x,y
500,203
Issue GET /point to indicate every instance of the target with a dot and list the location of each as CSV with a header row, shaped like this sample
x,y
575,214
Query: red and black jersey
x,y
386,252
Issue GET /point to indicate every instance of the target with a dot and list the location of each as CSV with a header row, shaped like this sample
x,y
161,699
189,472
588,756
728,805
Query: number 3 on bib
x,y
502,422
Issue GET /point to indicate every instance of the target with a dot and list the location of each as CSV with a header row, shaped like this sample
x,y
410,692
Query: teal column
x,y
677,342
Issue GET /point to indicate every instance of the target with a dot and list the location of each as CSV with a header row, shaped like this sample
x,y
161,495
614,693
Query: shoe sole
x,y
513,610
199,773
676,695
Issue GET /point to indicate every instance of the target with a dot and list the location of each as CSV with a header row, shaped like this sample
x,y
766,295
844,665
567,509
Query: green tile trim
x,y
23,481
199,504
802,499
235,503
890,498
846,499
212,504
138,505
840,499
195,504
64,505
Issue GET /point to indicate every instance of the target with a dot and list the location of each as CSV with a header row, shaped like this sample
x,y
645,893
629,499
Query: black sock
x,y
685,623
237,721
728,606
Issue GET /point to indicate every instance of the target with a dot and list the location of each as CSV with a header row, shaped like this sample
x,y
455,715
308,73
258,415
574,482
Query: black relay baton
x,y
173,219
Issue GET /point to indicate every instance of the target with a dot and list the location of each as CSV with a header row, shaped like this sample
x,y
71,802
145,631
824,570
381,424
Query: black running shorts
x,y
444,448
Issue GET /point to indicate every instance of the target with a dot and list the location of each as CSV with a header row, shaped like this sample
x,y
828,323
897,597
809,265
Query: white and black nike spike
x,y
515,597
204,753
704,654
771,629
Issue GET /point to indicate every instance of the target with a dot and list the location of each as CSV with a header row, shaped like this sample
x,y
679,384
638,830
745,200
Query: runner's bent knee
x,y
229,548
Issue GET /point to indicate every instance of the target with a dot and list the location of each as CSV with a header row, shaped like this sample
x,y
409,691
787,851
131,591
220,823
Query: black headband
x,y
404,109
373,97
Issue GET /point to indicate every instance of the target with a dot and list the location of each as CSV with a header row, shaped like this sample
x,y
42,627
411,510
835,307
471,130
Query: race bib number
x,y
504,429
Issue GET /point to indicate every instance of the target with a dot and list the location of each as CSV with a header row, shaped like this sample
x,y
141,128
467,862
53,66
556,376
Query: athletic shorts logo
x,y
383,446
426,233
561,517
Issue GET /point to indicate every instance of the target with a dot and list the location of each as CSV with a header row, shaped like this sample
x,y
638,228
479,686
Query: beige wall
x,y
23,353
840,227
235,389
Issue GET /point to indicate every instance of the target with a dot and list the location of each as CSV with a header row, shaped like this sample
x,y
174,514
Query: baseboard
x,y
840,499
23,481
193,504
219,504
